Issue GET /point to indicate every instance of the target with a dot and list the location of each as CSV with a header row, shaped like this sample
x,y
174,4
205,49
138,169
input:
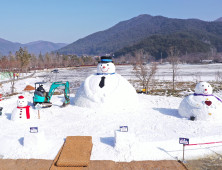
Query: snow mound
x,y
29,88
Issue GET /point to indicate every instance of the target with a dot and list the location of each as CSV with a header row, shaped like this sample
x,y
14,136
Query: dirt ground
x,y
211,163
38,164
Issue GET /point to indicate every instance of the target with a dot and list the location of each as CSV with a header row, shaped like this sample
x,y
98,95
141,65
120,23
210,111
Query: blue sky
x,y
65,21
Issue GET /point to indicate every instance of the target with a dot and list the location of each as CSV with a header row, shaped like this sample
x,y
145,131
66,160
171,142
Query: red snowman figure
x,y
22,111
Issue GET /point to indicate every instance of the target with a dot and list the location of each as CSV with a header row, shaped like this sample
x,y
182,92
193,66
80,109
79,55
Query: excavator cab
x,y
39,96
43,97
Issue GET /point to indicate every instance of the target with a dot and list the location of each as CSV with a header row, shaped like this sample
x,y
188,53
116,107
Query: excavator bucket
x,y
65,103
46,104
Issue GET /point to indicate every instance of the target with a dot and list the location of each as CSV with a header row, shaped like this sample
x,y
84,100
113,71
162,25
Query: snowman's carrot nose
x,y
104,66
205,89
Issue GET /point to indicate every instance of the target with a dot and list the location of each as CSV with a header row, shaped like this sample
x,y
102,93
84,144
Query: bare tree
x,y
145,73
218,76
34,60
122,59
129,58
196,76
13,81
8,65
174,60
218,58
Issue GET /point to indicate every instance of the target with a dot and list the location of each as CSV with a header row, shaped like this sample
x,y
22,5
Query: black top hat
x,y
105,59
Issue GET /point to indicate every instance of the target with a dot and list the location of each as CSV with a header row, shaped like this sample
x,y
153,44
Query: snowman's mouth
x,y
205,92
104,70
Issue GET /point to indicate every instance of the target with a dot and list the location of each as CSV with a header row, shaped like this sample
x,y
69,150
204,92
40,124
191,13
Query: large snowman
x,y
22,112
202,105
106,88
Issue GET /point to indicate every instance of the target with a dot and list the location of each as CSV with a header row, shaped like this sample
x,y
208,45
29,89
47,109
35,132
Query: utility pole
x,y
161,58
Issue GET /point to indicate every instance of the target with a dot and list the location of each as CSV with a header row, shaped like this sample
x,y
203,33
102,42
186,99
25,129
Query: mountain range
x,y
133,31
154,34
219,19
33,47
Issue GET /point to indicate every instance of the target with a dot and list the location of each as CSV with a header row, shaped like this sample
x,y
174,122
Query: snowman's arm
x,y
218,103
88,92
193,103
120,80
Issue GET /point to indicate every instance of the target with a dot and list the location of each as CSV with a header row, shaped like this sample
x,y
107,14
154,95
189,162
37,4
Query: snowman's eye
x,y
107,64
101,65
203,85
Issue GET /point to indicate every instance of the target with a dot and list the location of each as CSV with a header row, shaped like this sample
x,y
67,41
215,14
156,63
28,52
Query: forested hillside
x,y
190,41
136,29
219,19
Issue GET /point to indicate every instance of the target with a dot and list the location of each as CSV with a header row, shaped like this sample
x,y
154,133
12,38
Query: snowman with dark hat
x,y
105,88
23,111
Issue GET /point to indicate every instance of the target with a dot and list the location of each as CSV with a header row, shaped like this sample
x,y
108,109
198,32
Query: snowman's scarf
x,y
105,73
195,94
27,111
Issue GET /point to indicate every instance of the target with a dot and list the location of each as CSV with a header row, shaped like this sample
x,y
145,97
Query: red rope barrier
x,y
204,143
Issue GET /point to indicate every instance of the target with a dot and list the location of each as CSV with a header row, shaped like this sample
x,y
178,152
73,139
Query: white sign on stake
x,y
123,128
38,107
184,141
33,129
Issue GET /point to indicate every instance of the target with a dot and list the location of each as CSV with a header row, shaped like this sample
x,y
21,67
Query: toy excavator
x,y
42,97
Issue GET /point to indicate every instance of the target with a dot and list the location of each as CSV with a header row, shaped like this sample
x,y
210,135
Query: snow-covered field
x,y
154,126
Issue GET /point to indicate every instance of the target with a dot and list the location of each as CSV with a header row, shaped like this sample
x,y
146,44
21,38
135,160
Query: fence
x,y
7,81
196,144
4,75
203,143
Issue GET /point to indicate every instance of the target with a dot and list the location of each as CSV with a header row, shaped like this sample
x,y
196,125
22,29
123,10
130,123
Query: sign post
x,y
38,107
184,141
1,110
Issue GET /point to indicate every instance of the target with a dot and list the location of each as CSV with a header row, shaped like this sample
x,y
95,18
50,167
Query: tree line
x,y
23,61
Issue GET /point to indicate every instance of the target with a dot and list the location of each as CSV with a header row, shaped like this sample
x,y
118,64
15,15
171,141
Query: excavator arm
x,y
66,95
54,86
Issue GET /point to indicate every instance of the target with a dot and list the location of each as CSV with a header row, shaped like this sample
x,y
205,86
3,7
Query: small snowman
x,y
202,105
22,111
105,88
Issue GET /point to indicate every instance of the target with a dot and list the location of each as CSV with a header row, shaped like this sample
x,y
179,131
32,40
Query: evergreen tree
x,y
24,57
41,57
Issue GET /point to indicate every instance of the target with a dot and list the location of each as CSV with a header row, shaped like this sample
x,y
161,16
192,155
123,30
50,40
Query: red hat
x,y
21,97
